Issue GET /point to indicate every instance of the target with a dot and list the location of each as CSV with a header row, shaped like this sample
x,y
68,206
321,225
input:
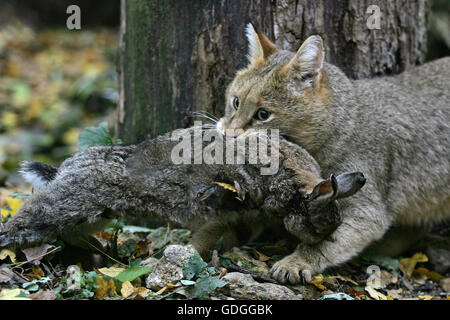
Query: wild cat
x,y
393,129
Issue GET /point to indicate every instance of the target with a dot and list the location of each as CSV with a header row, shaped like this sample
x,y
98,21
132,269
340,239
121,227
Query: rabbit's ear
x,y
349,183
324,190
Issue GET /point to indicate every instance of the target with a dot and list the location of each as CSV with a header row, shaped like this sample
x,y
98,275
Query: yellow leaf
x,y
105,289
375,294
111,272
425,273
8,253
14,205
425,297
407,265
71,136
142,292
5,213
226,186
11,294
37,273
317,281
166,288
347,279
127,289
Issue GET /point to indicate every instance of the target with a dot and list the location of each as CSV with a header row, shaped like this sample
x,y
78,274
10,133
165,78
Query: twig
x,y
101,251
38,257
255,276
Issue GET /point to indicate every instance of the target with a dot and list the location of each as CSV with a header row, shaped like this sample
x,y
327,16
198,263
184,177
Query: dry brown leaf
x,y
37,253
427,274
43,295
127,289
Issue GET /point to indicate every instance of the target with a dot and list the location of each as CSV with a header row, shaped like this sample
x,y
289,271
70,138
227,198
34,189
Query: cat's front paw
x,y
293,269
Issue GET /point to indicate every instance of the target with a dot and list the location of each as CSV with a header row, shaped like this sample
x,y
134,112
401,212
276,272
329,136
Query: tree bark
x,y
179,56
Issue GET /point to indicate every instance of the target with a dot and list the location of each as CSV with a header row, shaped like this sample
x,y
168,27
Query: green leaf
x,y
205,286
132,273
134,229
31,286
193,267
187,282
94,136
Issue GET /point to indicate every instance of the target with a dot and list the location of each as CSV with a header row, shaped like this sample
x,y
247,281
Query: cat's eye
x,y
262,114
236,103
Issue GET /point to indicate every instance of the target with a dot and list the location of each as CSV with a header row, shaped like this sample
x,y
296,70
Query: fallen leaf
x,y
13,205
7,276
375,294
317,281
395,293
407,265
355,293
426,297
424,272
166,288
8,253
43,295
130,292
127,289
36,254
105,288
261,257
346,279
13,294
111,272
36,273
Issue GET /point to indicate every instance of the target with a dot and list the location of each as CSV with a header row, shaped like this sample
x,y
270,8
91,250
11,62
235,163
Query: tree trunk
x,y
178,56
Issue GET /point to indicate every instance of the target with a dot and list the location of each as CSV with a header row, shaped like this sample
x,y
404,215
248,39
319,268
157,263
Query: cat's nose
x,y
220,127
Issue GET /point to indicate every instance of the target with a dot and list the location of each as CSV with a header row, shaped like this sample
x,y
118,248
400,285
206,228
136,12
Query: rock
x,y
439,258
242,286
150,262
445,284
169,269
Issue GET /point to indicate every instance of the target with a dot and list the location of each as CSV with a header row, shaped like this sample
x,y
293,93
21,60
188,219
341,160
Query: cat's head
x,y
278,89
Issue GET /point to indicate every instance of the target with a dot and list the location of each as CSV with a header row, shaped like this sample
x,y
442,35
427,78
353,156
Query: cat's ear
x,y
260,47
308,61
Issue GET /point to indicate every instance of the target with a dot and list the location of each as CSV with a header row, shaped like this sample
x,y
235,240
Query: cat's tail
x,y
37,173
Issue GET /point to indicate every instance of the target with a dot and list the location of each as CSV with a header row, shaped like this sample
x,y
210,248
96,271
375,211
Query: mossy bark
x,y
178,56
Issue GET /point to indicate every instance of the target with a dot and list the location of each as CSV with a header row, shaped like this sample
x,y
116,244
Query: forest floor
x,y
132,262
